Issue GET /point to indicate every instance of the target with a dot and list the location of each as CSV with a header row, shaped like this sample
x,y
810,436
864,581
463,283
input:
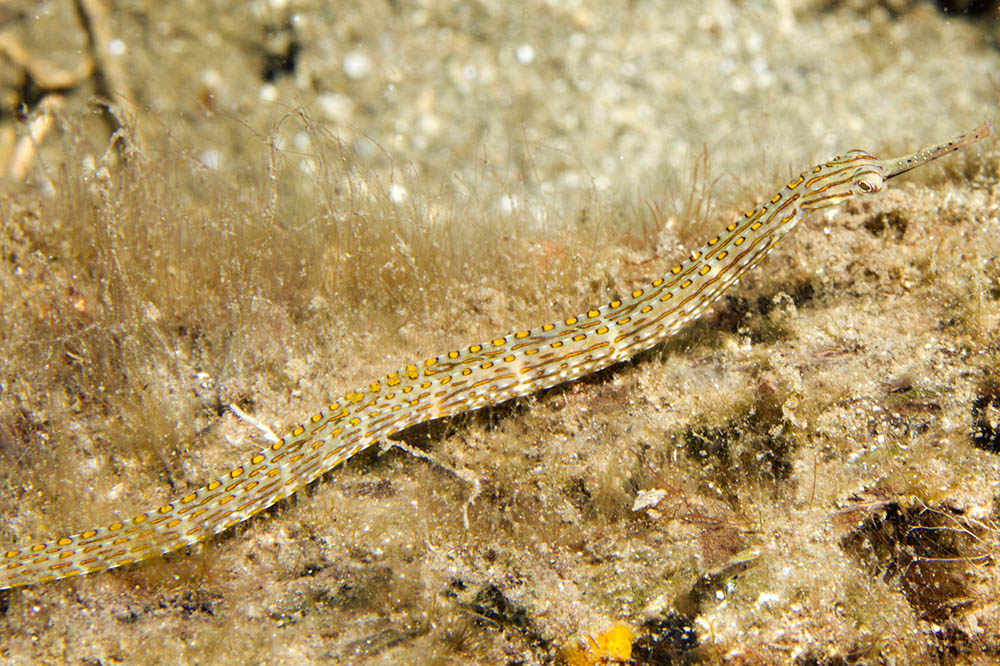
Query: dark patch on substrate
x,y
578,495
970,8
986,418
801,293
356,587
666,641
491,608
752,319
751,448
193,601
188,603
282,57
954,646
739,315
931,555
927,552
893,220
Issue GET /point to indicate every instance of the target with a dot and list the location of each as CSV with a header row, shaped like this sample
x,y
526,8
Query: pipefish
x,y
471,378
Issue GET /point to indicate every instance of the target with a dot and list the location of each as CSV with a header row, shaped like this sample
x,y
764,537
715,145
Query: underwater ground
x,y
268,204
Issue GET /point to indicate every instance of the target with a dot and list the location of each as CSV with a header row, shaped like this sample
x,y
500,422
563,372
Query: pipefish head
x,y
845,176
858,173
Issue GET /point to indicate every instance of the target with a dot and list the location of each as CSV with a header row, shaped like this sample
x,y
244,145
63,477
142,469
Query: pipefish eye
x,y
867,183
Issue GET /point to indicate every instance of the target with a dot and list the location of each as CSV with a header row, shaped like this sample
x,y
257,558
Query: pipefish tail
x,y
466,379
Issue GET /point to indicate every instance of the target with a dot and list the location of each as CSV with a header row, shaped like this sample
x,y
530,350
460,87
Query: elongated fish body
x,y
465,379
